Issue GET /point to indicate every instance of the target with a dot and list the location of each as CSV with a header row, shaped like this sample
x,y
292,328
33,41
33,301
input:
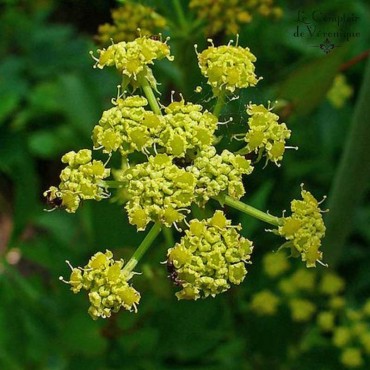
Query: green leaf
x,y
307,86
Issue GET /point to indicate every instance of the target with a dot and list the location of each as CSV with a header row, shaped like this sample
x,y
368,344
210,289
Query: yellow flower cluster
x,y
133,58
127,127
216,173
127,19
228,68
340,91
107,285
275,264
352,335
186,127
228,15
265,134
158,191
80,180
304,229
209,257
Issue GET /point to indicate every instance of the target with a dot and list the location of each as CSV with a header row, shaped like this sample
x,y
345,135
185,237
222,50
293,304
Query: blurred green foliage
x,y
50,98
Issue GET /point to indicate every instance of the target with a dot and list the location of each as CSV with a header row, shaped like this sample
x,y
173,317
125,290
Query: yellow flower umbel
x,y
228,68
304,229
80,180
127,19
227,16
210,257
133,59
217,173
158,191
186,127
107,285
127,127
266,134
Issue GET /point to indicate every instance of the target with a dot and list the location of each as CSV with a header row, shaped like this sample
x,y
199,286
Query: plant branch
x,y
249,210
143,247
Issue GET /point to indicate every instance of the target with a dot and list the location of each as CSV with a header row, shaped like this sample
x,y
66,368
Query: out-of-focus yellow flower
x,y
331,284
275,264
228,15
301,309
303,280
265,303
127,19
352,357
340,91
325,320
342,336
336,303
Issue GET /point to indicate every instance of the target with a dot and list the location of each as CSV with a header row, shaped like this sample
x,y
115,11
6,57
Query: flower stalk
x,y
143,247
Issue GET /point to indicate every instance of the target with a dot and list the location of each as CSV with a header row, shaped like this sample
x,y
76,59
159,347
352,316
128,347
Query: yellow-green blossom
x,y
107,285
186,127
340,91
265,134
211,256
228,16
303,280
133,59
304,229
127,127
80,180
325,320
158,191
127,19
337,303
301,309
275,264
216,173
331,284
342,336
351,357
228,68
265,303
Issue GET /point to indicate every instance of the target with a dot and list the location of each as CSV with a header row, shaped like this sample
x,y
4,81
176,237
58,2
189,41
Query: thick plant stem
x,y
219,104
148,91
249,210
143,247
352,176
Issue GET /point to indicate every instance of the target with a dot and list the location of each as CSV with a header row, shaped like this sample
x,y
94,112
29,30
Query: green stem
x,y
219,104
143,247
249,210
148,91
180,14
352,177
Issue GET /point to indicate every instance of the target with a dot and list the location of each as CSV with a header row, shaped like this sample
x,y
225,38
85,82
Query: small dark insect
x,y
54,202
155,37
183,162
173,274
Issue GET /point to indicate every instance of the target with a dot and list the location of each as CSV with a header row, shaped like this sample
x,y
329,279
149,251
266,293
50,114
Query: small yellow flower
x,y
301,309
351,357
304,229
275,264
331,284
228,68
133,59
210,257
265,303
127,19
265,134
340,91
107,285
80,180
325,321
